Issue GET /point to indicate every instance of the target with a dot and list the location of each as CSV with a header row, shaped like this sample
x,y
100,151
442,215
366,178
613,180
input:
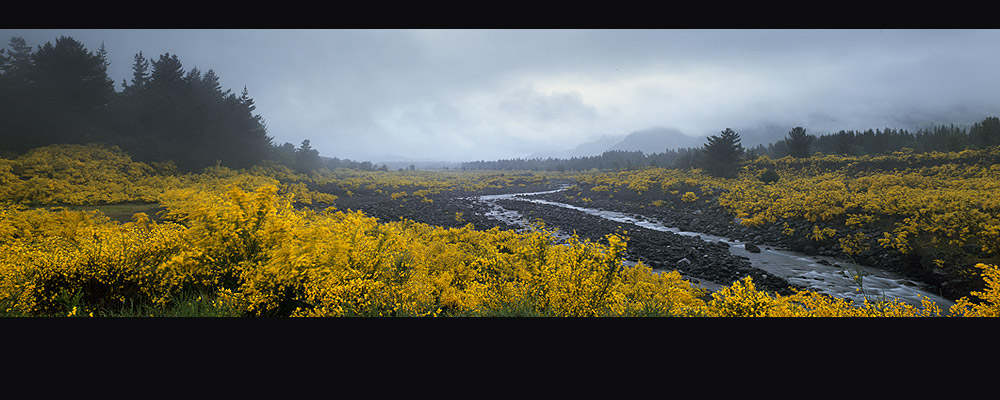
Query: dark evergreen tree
x,y
158,132
985,133
187,117
942,138
61,93
57,94
284,154
16,62
140,74
307,158
723,153
251,131
798,142
15,101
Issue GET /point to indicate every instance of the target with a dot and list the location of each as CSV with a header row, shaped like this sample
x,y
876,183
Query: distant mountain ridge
x,y
652,140
587,149
657,140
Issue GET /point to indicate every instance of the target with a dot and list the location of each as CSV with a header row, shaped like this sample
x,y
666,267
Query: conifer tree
x,y
797,143
140,74
57,94
985,133
306,158
723,153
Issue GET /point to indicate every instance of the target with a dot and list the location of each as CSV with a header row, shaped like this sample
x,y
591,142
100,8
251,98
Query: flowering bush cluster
x,y
252,254
940,204
256,255
234,243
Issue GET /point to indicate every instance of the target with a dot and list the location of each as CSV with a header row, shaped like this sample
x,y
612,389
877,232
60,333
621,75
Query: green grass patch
x,y
121,212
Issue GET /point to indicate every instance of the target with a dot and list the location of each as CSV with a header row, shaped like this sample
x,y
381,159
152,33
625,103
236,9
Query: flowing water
x,y
836,277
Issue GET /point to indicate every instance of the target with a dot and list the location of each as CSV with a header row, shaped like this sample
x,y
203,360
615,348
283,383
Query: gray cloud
x,y
481,94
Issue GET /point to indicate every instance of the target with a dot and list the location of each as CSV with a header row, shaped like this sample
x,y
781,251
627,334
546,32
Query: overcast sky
x,y
463,95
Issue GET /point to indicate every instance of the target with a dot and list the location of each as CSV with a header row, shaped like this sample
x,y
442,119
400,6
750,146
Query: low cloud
x,y
488,94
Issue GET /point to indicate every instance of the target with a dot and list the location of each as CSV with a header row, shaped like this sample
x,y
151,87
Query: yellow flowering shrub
x,y
51,260
251,251
235,241
942,201
989,299
742,299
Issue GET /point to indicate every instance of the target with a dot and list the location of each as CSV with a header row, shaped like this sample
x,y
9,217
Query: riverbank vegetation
x,y
213,219
233,243
937,211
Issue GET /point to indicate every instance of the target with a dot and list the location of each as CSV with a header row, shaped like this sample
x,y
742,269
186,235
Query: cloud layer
x,y
488,94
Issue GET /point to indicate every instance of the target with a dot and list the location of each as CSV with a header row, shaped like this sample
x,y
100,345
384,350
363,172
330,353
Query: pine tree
x,y
18,59
63,91
140,74
797,143
14,97
306,158
723,153
985,133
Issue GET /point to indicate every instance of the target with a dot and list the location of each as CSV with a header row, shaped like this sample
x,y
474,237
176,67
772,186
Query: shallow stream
x,y
829,275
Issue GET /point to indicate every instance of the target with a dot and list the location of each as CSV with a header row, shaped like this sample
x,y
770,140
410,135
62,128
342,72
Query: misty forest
x,y
168,197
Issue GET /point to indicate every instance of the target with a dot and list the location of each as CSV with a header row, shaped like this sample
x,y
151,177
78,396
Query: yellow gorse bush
x,y
988,304
937,199
51,258
257,254
254,253
236,239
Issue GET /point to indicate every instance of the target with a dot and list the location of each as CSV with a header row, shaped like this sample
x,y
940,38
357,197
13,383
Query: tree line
x,y
60,93
721,153
982,134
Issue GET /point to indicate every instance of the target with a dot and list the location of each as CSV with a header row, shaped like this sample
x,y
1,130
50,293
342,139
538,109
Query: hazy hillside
x,y
657,140
587,149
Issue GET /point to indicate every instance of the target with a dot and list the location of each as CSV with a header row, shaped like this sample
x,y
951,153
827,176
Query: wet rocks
x,y
694,257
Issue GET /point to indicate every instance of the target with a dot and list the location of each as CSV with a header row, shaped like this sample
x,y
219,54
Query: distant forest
x,y
61,94
983,134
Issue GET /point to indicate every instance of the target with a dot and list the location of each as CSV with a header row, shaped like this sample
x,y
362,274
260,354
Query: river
x,y
832,276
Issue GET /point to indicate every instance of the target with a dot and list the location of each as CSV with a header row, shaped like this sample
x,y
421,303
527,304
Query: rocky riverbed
x,y
698,260
704,262
706,216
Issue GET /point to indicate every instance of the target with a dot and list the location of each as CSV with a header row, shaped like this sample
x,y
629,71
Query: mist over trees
x,y
797,143
720,152
61,94
723,153
57,94
609,160
166,114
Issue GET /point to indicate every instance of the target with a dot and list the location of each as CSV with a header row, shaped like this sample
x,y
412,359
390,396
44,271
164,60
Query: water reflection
x,y
821,274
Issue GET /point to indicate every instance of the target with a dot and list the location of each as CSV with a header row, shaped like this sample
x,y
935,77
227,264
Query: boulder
x,y
752,248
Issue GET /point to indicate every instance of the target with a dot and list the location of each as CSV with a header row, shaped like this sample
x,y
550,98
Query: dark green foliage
x,y
723,153
797,143
187,117
57,94
985,133
609,160
306,158
140,75
769,176
61,93
942,138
